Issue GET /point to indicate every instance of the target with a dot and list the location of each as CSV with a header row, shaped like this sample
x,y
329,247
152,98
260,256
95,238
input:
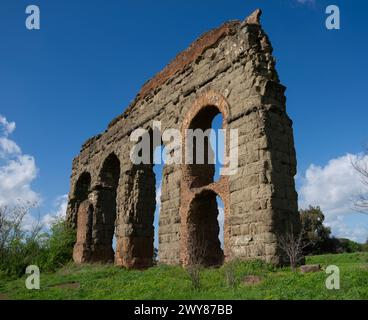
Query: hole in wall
x,y
217,144
157,170
203,230
207,147
82,187
105,231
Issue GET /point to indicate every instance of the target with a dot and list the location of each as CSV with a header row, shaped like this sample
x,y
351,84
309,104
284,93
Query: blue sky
x,y
65,82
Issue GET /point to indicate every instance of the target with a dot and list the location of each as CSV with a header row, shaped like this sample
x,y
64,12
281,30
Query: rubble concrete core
x,y
228,70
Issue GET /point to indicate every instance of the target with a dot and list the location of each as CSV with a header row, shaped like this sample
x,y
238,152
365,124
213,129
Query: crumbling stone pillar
x,y
105,194
82,248
135,231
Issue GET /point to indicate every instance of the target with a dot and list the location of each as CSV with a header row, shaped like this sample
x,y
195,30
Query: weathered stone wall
x,y
229,70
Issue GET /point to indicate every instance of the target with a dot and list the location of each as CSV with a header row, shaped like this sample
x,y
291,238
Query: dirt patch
x,y
4,297
69,285
252,280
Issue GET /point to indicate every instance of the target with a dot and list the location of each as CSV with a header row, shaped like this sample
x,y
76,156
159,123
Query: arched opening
x,y
203,230
82,187
204,147
81,192
83,219
106,211
217,142
221,220
158,174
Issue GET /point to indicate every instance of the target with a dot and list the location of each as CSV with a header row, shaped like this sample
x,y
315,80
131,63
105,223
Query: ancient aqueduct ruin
x,y
229,70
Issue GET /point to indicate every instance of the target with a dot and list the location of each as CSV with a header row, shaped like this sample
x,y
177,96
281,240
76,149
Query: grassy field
x,y
168,282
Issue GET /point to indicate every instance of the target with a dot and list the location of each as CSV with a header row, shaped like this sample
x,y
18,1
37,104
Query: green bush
x,y
350,246
194,272
19,254
48,251
229,269
59,246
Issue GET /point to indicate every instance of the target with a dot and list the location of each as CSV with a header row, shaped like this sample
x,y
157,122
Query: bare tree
x,y
361,166
292,244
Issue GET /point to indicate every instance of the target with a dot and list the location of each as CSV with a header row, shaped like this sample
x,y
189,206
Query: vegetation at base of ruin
x,y
21,247
173,282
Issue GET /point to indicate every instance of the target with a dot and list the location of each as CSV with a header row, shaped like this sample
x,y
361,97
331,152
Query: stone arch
x,y
200,116
199,190
105,212
110,172
82,186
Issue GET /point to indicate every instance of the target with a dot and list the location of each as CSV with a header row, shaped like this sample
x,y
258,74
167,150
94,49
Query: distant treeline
x,y
318,237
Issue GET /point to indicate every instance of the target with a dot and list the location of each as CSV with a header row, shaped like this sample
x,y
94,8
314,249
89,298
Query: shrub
x,y
21,247
230,273
19,254
315,235
194,272
349,246
59,246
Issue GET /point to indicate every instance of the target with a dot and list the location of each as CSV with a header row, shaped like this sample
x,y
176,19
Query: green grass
x,y
173,282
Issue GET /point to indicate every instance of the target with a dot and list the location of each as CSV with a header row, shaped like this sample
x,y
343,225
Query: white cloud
x,y
17,170
59,212
6,127
333,187
354,231
8,147
34,219
158,194
29,222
